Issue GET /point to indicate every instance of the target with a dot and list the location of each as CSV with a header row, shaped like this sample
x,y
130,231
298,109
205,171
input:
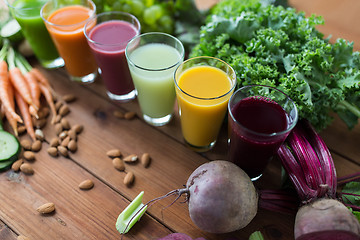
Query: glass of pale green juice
x,y
152,59
27,14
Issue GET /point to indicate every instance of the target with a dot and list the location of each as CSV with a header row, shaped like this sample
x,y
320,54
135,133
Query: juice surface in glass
x,y
202,110
260,115
153,79
66,29
27,13
110,39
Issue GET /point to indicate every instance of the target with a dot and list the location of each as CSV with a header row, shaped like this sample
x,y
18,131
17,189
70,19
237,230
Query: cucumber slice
x,y
9,147
4,165
12,31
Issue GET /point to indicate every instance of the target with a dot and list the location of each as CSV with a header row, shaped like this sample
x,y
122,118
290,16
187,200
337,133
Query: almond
x,y
63,135
28,155
21,129
129,179
65,123
72,134
63,151
46,208
86,184
40,123
69,98
78,128
64,110
54,142
44,112
58,128
72,146
118,164
58,105
39,134
118,114
129,115
131,158
113,153
65,142
27,169
16,165
36,146
58,118
26,144
52,151
145,159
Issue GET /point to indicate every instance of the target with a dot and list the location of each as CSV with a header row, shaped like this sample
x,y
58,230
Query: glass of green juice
x,y
152,59
27,14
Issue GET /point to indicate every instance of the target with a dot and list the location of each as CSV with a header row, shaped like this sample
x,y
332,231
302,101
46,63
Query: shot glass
x,y
260,119
65,21
27,14
108,35
203,88
152,59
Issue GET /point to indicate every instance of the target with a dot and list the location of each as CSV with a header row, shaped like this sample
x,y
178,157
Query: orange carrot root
x,y
24,109
50,101
34,91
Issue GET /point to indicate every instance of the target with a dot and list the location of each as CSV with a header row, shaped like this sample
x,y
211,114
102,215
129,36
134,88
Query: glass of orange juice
x,y
65,21
203,88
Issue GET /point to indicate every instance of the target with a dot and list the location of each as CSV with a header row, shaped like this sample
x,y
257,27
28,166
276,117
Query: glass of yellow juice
x,y
203,88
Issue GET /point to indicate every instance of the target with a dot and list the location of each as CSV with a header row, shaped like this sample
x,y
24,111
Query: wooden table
x,y
92,214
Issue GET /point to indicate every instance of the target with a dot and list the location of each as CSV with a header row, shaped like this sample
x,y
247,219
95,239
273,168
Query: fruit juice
x,y
203,106
109,42
27,13
66,28
252,149
153,78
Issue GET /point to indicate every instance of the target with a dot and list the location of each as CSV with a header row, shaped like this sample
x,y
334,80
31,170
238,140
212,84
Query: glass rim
x,y
93,13
288,129
208,98
19,8
182,54
109,13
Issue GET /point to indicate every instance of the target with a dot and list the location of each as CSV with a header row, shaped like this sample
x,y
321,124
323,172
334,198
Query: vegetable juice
x,y
27,13
109,42
257,118
66,28
153,78
202,109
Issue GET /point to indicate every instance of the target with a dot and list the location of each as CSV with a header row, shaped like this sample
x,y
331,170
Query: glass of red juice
x,y
108,34
260,119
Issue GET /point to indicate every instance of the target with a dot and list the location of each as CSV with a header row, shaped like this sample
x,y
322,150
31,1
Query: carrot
x,y
18,81
24,109
11,120
49,98
42,79
34,91
7,98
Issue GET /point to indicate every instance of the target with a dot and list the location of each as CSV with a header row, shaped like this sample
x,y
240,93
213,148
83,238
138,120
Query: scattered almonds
x,y
58,118
129,115
28,155
58,105
118,114
118,164
63,135
131,158
114,153
78,128
54,142
52,151
145,160
36,146
129,179
46,208
65,141
65,123
40,123
26,144
26,168
58,128
21,129
72,134
86,184
69,98
16,165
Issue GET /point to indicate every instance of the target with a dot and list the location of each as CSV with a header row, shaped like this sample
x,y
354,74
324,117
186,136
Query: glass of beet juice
x,y
108,34
260,119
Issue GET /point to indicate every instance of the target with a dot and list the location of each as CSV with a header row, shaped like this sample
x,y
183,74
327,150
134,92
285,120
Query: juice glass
x,y
152,59
27,14
65,21
108,34
203,88
260,119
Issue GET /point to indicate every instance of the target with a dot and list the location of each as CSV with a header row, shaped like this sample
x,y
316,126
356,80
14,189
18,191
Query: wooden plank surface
x,y
92,214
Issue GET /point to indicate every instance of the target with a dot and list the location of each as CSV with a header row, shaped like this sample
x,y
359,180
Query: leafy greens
x,y
277,46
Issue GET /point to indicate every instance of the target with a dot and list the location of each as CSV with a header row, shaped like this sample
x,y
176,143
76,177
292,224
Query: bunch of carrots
x,y
21,88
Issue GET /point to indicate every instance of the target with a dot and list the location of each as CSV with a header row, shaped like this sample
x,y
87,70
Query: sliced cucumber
x,y
9,147
12,31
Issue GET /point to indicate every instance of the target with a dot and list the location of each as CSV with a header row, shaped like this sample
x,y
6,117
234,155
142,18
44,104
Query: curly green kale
x,y
280,47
